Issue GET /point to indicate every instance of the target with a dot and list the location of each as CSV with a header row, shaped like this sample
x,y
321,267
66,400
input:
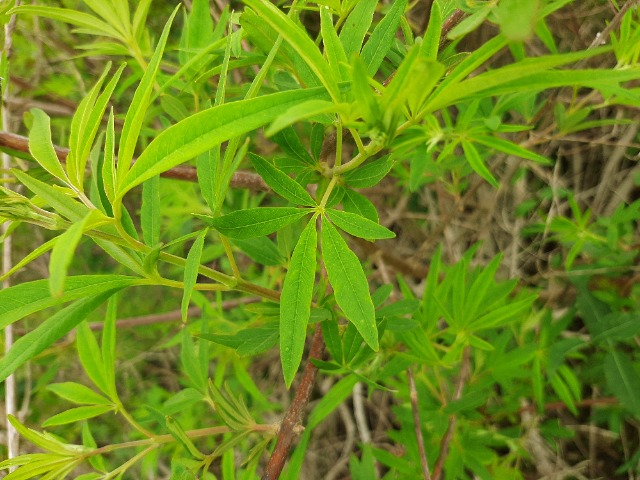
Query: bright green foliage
x,y
372,119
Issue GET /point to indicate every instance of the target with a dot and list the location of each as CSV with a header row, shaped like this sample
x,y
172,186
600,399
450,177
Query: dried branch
x,y
291,426
413,396
465,369
11,396
248,180
601,37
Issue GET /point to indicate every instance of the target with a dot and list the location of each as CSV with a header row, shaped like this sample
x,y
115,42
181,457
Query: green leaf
x,y
56,198
177,432
76,414
300,41
42,249
302,111
471,22
74,17
332,46
281,183
190,363
618,326
431,41
85,124
61,255
295,302
370,174
45,440
290,143
331,400
349,284
41,146
150,217
365,100
332,340
90,356
502,315
257,222
52,329
26,298
200,27
191,272
355,202
108,346
381,38
356,26
109,162
623,380
251,341
517,18
261,250
138,109
477,163
511,148
208,128
207,166
78,393
359,226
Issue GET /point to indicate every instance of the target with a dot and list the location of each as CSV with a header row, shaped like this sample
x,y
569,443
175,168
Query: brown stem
x,y
248,180
413,395
291,426
450,23
170,316
465,369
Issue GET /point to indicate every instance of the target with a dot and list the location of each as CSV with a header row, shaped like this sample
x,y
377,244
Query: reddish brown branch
x,y
170,316
240,179
450,23
413,395
465,369
291,426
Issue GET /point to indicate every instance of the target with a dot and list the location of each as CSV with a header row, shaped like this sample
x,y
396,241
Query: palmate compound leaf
x,y
257,222
349,284
206,129
295,302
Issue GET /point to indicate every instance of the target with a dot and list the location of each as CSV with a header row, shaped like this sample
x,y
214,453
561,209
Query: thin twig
x,y
291,425
248,180
465,369
413,396
360,414
601,37
13,445
171,316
